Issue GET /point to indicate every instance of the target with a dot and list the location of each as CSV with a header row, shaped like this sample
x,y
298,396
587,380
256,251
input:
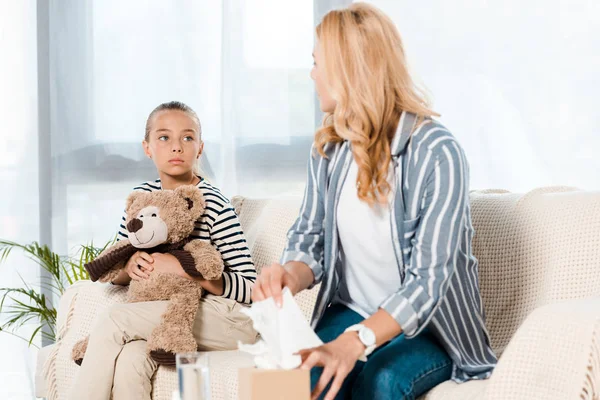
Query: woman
x,y
385,226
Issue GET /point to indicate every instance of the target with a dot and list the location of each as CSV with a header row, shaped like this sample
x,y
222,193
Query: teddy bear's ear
x,y
133,197
194,198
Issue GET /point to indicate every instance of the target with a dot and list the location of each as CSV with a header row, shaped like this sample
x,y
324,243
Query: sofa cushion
x,y
534,249
449,390
265,224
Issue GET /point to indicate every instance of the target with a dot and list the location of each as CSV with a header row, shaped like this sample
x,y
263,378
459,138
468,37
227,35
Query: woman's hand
x,y
271,281
337,359
139,265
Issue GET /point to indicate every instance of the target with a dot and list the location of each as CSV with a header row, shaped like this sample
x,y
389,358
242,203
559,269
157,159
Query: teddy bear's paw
x,y
167,357
79,351
164,343
163,357
208,260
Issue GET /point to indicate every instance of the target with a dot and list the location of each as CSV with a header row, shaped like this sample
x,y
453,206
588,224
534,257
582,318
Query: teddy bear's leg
x,y
79,350
175,332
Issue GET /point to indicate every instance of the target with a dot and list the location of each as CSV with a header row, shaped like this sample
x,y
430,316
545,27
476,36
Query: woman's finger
x,y
336,385
326,376
265,278
304,353
275,283
312,360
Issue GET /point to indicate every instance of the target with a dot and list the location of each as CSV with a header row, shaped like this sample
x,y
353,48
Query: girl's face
x,y
173,143
317,73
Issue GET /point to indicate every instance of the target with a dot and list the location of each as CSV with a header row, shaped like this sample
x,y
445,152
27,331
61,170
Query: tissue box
x,y
273,384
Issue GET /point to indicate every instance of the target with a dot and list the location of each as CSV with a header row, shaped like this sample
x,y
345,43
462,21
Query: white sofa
x,y
539,269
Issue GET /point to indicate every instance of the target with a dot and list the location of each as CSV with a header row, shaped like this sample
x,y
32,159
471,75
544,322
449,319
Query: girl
x,y
385,226
116,360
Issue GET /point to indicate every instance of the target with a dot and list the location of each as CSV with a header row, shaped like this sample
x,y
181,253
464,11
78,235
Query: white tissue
x,y
284,331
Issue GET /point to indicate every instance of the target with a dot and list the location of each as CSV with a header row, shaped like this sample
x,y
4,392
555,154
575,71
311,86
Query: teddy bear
x,y
162,221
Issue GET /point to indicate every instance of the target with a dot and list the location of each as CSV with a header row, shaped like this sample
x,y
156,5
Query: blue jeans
x,y
402,369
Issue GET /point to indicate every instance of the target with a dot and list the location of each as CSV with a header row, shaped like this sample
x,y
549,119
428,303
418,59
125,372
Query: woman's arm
x,y
305,238
436,245
302,273
302,258
295,275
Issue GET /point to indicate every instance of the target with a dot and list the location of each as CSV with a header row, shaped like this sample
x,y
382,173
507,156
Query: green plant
x,y
30,302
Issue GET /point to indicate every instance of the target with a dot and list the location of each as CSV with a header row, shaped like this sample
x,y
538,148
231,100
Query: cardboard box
x,y
265,384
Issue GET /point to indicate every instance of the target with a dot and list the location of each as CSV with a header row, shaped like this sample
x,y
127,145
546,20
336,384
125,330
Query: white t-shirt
x,y
369,271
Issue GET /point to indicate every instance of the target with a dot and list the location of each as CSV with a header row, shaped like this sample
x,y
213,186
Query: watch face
x,y
367,336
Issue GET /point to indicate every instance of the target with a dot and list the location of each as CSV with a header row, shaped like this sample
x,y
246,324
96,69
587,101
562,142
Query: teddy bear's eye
x,y
154,215
141,216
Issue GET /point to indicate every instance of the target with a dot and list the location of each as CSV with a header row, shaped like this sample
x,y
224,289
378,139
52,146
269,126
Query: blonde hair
x,y
176,106
367,76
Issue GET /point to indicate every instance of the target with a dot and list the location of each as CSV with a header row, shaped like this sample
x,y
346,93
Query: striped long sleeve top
x,y
432,238
220,226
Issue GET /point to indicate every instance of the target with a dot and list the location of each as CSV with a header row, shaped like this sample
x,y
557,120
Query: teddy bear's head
x,y
165,216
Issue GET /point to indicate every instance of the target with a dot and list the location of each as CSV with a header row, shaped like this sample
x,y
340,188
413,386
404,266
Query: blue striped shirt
x,y
220,226
432,235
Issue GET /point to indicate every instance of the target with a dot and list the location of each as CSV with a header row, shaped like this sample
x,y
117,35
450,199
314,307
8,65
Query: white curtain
x,y
19,216
244,66
515,81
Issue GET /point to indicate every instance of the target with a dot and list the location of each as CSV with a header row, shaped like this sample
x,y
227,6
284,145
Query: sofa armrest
x,y
92,297
65,304
77,311
555,354
41,390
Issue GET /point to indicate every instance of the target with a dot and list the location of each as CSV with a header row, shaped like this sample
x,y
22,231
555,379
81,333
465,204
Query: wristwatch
x,y
366,336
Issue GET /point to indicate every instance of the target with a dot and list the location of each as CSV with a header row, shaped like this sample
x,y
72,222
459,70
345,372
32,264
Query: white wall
x,y
516,81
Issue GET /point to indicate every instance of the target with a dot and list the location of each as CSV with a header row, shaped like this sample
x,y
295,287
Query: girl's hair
x,y
367,76
175,106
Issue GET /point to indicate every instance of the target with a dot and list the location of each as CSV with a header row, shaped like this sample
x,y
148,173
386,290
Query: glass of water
x,y
192,372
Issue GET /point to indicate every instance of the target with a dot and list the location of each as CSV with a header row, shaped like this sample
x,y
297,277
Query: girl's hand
x,y
337,359
271,282
168,264
139,265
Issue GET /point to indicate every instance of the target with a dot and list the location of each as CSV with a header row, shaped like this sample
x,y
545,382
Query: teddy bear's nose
x,y
134,225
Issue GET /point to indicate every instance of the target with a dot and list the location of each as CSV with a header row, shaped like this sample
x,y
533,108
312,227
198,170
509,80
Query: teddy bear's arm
x,y
200,259
108,264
